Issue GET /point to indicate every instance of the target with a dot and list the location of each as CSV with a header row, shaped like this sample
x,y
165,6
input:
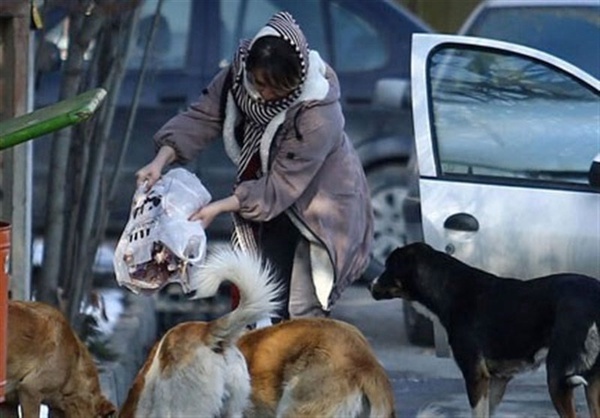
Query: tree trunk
x,y
76,182
90,232
57,176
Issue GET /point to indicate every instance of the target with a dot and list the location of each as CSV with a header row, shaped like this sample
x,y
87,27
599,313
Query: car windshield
x,y
577,41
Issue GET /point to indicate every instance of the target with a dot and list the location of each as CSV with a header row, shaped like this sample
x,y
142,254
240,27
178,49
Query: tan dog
x,y
47,363
304,367
196,369
315,368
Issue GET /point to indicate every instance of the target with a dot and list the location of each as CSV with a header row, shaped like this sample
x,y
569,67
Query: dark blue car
x,y
364,40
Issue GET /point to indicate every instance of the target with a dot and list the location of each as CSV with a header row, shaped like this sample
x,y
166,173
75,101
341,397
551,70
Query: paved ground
x,y
420,378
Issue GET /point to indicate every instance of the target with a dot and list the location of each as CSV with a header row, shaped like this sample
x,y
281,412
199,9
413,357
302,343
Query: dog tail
x,y
377,391
382,401
253,278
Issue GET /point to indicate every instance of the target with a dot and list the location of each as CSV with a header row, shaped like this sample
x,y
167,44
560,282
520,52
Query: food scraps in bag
x,y
155,273
160,245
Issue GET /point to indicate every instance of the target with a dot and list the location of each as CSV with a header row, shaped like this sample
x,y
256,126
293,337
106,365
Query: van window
x,y
170,38
242,19
537,27
351,34
511,117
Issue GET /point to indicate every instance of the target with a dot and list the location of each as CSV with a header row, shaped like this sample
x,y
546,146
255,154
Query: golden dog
x,y
304,367
48,364
315,368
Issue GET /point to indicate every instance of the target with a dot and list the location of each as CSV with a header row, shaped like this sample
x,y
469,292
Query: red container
x,y
4,263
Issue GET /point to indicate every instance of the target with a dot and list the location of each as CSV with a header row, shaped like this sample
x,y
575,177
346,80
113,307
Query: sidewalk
x,y
420,378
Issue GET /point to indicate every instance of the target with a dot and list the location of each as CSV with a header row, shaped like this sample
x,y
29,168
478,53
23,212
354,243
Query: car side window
x,y
170,43
541,124
242,19
351,33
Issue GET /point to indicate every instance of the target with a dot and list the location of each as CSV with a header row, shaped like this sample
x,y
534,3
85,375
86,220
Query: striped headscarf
x,y
258,112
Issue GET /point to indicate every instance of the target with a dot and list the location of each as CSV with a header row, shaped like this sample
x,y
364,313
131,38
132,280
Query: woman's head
x,y
273,67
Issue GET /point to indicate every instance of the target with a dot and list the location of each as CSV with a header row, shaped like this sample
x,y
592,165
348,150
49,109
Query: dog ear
x,y
395,256
403,261
106,409
412,252
402,255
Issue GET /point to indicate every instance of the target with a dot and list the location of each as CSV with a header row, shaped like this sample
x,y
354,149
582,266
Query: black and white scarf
x,y
258,113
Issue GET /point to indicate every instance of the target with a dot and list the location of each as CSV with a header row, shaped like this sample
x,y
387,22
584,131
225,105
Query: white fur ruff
x,y
214,381
212,385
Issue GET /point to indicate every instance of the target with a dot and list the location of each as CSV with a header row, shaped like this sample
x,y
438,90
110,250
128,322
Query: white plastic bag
x,y
159,245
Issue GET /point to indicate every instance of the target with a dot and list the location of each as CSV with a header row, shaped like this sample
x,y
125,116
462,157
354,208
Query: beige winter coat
x,y
314,174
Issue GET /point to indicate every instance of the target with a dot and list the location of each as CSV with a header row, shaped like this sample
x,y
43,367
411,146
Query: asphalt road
x,y
421,379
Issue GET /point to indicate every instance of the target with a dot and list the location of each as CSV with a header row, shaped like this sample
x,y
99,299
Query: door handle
x,y
462,222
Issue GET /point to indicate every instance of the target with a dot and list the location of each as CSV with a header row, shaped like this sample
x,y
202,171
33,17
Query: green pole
x,y
51,118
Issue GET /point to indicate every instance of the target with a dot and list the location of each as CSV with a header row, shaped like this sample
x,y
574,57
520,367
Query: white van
x,y
505,137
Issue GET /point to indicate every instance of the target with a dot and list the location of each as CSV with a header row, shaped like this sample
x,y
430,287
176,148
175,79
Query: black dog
x,y
498,327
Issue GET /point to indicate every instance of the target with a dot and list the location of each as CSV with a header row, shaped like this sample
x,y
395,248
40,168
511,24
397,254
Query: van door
x,y
505,137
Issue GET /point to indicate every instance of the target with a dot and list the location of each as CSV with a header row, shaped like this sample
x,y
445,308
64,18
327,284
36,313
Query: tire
x,y
388,185
419,329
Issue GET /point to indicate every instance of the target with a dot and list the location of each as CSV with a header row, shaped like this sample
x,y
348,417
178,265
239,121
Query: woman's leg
x,y
278,240
303,298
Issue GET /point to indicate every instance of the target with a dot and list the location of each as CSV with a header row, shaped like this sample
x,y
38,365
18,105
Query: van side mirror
x,y
594,173
392,93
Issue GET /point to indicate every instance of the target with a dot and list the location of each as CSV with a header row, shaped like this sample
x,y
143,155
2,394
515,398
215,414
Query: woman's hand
x,y
150,173
209,212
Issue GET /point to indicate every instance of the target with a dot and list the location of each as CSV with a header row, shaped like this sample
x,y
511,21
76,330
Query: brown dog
x,y
48,364
196,369
314,368
300,368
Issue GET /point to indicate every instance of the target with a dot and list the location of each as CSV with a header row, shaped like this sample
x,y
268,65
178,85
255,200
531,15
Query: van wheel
x,y
419,329
388,185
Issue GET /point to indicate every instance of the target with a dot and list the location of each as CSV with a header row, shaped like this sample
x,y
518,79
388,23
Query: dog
x,y
498,327
196,369
314,367
301,367
48,364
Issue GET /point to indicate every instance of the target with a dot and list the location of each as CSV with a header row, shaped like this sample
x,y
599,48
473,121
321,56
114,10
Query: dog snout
x,y
373,283
376,289
385,287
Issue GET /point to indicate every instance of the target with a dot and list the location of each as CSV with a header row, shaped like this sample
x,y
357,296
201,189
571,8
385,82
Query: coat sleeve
x,y
192,130
296,164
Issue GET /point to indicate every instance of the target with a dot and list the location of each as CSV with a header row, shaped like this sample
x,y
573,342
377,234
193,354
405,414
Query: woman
x,y
301,196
